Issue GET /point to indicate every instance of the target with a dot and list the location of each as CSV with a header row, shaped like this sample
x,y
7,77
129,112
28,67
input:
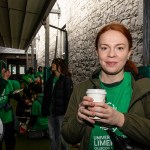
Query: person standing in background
x,y
6,111
37,121
39,75
16,84
23,98
57,93
30,74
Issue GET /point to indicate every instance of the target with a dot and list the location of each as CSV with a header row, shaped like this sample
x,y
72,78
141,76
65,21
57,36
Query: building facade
x,y
78,23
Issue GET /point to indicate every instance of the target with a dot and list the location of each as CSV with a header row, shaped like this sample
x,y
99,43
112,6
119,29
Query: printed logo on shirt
x,y
100,138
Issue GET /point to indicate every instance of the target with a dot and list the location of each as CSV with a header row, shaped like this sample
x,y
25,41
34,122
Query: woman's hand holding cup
x,y
86,109
84,112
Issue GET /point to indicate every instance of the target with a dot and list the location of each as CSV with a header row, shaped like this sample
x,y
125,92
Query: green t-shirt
x,y
39,74
118,97
6,113
31,77
55,79
41,122
15,84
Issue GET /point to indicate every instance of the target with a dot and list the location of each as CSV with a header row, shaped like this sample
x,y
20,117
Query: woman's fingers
x,y
84,117
87,101
83,112
86,111
107,114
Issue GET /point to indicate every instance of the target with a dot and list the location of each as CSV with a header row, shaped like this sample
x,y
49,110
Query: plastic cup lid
x,y
96,91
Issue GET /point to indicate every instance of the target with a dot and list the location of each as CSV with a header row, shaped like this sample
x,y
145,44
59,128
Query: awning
x,y
20,20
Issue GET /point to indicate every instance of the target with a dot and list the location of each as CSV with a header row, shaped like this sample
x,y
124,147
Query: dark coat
x,y
57,99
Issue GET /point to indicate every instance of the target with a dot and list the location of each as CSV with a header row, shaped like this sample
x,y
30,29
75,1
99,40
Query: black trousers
x,y
9,136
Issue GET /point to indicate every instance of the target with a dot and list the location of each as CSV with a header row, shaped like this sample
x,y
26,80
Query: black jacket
x,y
57,99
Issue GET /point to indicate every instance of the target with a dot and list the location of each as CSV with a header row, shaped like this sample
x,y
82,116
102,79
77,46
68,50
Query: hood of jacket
x,y
94,78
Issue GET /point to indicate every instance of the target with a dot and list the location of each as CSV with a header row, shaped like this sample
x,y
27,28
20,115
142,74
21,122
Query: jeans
x,y
56,140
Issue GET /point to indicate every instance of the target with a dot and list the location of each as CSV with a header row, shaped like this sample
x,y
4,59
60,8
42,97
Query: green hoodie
x,y
5,89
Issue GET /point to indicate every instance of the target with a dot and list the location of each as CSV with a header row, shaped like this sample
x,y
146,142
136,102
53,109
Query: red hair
x,y
131,67
117,27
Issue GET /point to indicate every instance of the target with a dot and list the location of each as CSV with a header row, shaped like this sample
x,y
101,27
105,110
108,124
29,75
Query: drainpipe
x,y
54,11
47,66
146,33
66,35
32,55
27,63
47,42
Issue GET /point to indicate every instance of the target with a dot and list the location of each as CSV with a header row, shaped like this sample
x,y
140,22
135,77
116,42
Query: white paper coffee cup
x,y
98,95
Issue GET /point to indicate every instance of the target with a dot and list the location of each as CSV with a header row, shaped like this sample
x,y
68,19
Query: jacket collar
x,y
140,87
95,78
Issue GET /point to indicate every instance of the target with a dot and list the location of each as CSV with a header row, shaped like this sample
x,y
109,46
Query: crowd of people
x,y
38,113
26,91
66,114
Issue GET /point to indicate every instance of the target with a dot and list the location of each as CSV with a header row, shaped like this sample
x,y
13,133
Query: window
x,y
21,69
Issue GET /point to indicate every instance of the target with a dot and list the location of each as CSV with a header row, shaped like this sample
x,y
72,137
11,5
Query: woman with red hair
x,y
125,114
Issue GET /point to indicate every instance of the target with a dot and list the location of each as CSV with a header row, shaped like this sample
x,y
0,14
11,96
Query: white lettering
x,y
102,148
102,142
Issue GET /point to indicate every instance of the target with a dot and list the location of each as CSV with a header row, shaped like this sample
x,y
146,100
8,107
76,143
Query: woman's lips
x,y
111,64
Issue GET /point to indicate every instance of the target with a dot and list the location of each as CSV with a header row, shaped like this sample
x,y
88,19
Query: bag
x,y
34,134
120,143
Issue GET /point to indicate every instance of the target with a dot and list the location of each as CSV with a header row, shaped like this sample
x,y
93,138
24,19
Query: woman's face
x,y
113,52
54,67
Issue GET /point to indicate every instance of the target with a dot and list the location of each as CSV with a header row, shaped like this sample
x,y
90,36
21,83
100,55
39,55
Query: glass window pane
x,y
22,69
14,70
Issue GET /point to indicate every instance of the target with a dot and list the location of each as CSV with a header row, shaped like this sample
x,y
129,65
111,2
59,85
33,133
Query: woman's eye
x,y
120,48
103,48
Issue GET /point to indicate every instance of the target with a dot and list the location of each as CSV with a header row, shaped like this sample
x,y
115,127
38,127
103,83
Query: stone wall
x,y
83,19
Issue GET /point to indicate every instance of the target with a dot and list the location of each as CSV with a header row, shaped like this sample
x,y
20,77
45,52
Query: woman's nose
x,y
112,52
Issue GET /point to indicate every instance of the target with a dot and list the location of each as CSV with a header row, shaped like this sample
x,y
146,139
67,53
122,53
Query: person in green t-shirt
x,y
16,84
6,111
57,92
30,74
37,121
124,114
39,76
